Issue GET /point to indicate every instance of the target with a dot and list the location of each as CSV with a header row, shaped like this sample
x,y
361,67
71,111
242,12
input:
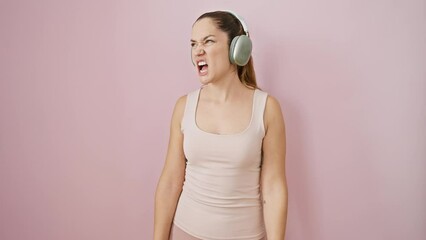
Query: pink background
x,y
87,90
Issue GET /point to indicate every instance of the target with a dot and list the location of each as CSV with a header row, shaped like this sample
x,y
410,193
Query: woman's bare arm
x,y
171,180
273,179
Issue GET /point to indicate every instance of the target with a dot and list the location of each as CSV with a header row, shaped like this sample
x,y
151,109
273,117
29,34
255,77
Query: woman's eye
x,y
208,42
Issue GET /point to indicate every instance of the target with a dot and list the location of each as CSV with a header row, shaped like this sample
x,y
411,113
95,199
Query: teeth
x,y
201,63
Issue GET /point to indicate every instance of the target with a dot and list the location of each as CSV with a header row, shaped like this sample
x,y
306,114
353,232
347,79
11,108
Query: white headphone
x,y
241,46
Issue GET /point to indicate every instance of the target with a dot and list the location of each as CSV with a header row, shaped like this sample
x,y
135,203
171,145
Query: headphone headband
x,y
240,19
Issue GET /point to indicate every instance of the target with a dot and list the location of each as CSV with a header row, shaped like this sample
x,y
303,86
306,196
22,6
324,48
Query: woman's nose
x,y
199,51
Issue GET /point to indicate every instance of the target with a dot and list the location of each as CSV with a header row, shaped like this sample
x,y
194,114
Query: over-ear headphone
x,y
241,46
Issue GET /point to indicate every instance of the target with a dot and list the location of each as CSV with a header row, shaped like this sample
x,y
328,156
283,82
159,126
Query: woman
x,y
224,175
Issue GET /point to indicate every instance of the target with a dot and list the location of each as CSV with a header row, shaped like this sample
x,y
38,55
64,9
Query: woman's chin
x,y
204,80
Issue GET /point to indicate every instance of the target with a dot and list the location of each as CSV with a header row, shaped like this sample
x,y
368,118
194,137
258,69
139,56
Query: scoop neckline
x,y
218,134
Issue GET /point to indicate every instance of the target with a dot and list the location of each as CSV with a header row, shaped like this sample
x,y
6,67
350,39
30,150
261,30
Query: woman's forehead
x,y
205,27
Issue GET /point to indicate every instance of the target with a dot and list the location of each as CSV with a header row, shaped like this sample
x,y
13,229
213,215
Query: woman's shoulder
x,y
273,109
271,101
181,102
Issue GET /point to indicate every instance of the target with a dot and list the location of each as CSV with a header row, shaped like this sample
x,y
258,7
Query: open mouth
x,y
202,66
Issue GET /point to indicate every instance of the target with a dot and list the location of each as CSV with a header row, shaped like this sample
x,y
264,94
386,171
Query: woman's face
x,y
210,51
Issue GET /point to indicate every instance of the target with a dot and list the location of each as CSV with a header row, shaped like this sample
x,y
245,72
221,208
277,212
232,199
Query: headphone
x,y
241,46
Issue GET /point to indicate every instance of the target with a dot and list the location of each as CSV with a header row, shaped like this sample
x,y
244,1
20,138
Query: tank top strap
x,y
259,110
190,108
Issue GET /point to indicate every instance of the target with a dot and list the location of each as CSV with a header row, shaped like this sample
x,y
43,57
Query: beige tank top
x,y
221,194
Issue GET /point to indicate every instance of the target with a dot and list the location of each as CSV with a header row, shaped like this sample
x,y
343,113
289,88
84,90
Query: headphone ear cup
x,y
240,50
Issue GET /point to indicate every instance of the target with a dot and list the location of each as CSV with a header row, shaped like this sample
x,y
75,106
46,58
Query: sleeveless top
x,y
221,192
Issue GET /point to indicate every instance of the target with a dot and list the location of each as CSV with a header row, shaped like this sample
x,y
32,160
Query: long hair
x,y
229,24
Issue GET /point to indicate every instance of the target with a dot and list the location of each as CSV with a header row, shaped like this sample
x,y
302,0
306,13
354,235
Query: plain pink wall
x,y
87,90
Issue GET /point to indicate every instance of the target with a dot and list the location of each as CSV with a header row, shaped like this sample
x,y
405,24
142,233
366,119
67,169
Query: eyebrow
x,y
192,40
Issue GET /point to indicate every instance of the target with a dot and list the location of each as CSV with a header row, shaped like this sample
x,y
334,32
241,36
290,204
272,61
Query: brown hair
x,y
229,24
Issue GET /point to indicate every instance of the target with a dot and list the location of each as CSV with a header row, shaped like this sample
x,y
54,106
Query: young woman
x,y
224,175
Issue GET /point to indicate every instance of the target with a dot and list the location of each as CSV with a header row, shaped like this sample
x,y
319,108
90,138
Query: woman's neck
x,y
228,88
